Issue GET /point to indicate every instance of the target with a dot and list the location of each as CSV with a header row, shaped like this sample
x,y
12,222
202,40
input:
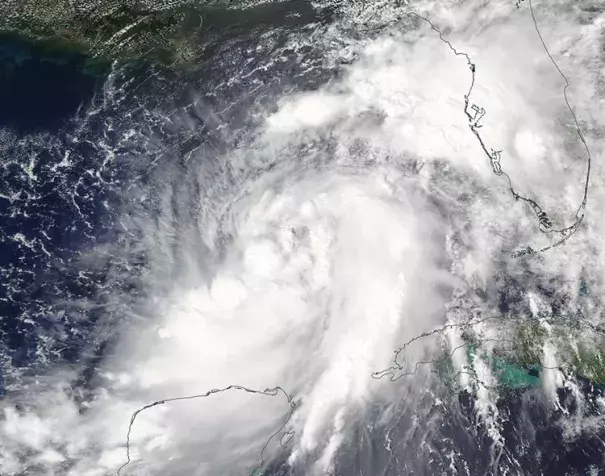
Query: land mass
x,y
170,32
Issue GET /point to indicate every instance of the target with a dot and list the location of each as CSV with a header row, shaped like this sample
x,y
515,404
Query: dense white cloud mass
x,y
352,218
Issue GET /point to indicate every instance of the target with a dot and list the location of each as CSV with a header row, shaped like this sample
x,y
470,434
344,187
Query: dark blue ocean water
x,y
51,202
41,89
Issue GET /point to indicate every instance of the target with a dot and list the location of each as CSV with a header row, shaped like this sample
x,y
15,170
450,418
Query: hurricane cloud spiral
x,y
317,225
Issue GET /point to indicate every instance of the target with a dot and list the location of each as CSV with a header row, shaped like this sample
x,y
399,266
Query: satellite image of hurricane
x,y
302,237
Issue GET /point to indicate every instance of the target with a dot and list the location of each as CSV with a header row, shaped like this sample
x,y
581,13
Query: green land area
x,y
519,361
103,30
169,32
580,350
